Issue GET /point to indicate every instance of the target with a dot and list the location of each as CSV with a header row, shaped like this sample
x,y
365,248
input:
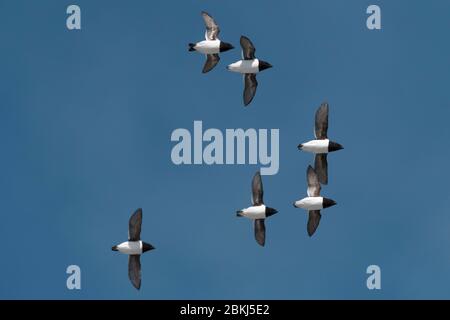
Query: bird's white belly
x,y
316,146
130,247
208,47
255,212
245,66
310,203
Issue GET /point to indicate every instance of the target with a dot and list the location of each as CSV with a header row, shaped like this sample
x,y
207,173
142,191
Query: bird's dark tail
x,y
191,46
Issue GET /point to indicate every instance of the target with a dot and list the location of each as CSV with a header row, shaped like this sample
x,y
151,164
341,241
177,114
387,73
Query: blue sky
x,y
85,124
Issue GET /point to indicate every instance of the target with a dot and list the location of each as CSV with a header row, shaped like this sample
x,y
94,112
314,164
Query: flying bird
x,y
321,146
211,46
134,247
258,212
313,202
249,66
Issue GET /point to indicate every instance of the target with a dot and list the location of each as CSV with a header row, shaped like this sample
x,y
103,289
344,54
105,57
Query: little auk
x,y
313,202
212,46
249,66
258,212
321,146
134,247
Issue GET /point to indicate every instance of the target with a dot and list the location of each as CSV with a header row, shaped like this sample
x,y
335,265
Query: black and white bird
x,y
249,66
134,247
212,46
258,211
313,202
321,146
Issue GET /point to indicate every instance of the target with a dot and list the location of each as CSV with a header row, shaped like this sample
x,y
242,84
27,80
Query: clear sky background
x,y
85,124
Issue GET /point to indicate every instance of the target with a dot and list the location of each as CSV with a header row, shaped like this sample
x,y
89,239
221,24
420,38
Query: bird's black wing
x,y
134,270
321,167
250,84
321,127
313,221
313,182
260,232
257,190
248,50
211,61
134,226
212,28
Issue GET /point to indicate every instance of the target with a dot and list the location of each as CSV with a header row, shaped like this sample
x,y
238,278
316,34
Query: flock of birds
x,y
314,202
249,66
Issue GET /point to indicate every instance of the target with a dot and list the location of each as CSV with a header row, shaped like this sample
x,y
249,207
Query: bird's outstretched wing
x,y
212,28
248,50
250,85
211,61
134,226
321,167
313,182
313,221
260,232
134,270
321,127
257,190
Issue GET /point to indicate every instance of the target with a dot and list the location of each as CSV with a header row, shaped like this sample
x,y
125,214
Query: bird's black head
x,y
224,46
147,247
270,211
328,203
263,65
300,146
114,248
333,146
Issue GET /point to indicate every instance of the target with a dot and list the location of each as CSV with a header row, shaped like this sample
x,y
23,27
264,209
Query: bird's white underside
x,y
130,247
208,46
254,212
316,146
245,66
310,203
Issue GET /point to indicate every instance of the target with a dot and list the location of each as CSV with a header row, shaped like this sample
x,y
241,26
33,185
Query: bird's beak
x,y
333,146
263,65
114,248
147,247
225,46
271,211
